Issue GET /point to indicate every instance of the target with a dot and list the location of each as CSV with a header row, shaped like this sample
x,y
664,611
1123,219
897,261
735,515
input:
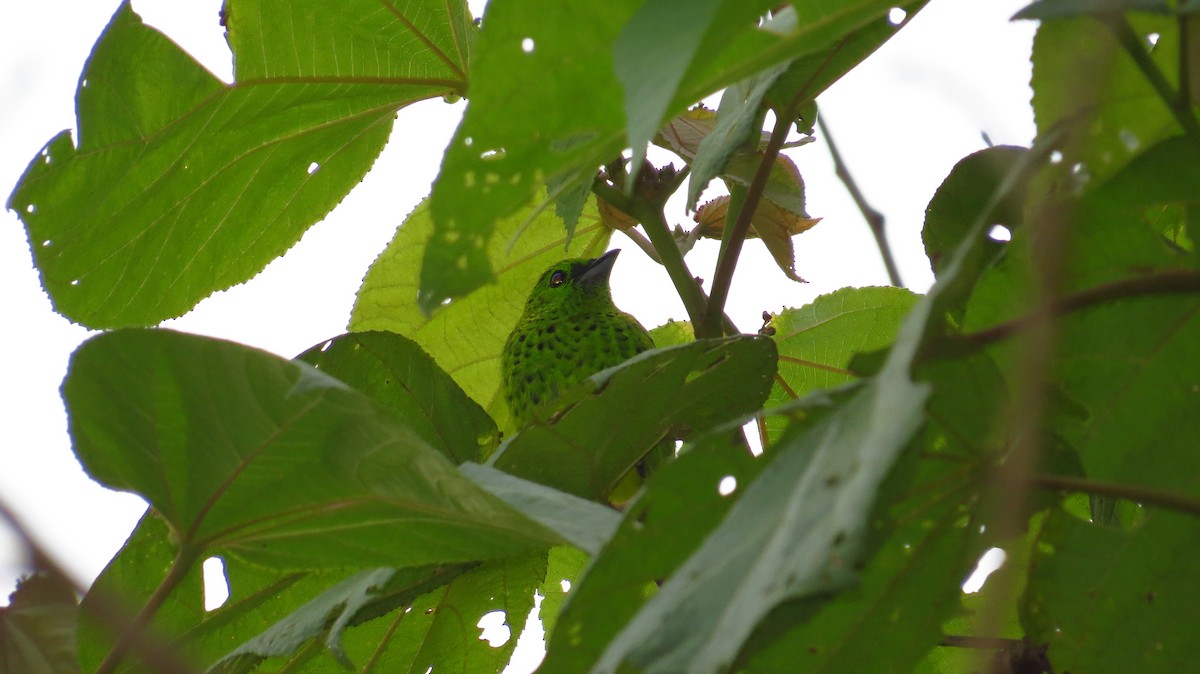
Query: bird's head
x,y
571,285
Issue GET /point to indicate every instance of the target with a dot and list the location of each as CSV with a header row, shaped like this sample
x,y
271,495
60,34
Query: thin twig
x,y
1174,281
875,219
642,242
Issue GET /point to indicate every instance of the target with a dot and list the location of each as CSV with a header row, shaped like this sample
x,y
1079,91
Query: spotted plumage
x,y
569,331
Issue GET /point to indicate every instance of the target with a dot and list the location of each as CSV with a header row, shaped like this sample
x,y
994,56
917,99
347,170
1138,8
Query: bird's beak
x,y
597,270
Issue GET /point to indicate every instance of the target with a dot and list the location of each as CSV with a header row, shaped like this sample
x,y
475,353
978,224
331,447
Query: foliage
x,y
371,499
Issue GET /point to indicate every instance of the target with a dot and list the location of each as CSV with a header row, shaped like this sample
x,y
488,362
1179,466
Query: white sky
x,y
901,120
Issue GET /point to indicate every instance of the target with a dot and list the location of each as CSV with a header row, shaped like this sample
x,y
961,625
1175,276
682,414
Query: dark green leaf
x,y
37,628
127,583
963,196
682,502
338,605
1106,599
273,461
440,631
1065,9
1085,84
396,373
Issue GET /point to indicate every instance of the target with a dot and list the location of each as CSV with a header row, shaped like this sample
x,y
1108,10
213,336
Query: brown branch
x,y
732,245
1010,487
1144,495
1175,281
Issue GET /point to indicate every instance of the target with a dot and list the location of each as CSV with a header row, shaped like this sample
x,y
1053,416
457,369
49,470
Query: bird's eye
x,y
558,278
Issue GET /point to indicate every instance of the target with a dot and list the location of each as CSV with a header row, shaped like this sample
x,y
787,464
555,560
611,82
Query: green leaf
x,y
439,629
966,193
681,503
37,628
1064,9
396,373
736,125
672,333
1107,599
585,524
817,342
128,581
1085,84
465,338
908,582
578,449
564,567
273,461
919,544
517,132
812,73
282,613
651,62
337,604
181,185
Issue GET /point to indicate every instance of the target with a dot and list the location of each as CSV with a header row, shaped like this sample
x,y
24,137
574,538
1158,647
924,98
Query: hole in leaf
x,y
74,282
1056,157
1129,140
989,562
328,343
83,84
492,155
896,16
31,208
566,585
312,168
727,485
1152,39
495,632
47,243
216,585
527,45
999,233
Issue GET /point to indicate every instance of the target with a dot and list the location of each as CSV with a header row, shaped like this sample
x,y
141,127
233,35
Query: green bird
x,y
569,331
